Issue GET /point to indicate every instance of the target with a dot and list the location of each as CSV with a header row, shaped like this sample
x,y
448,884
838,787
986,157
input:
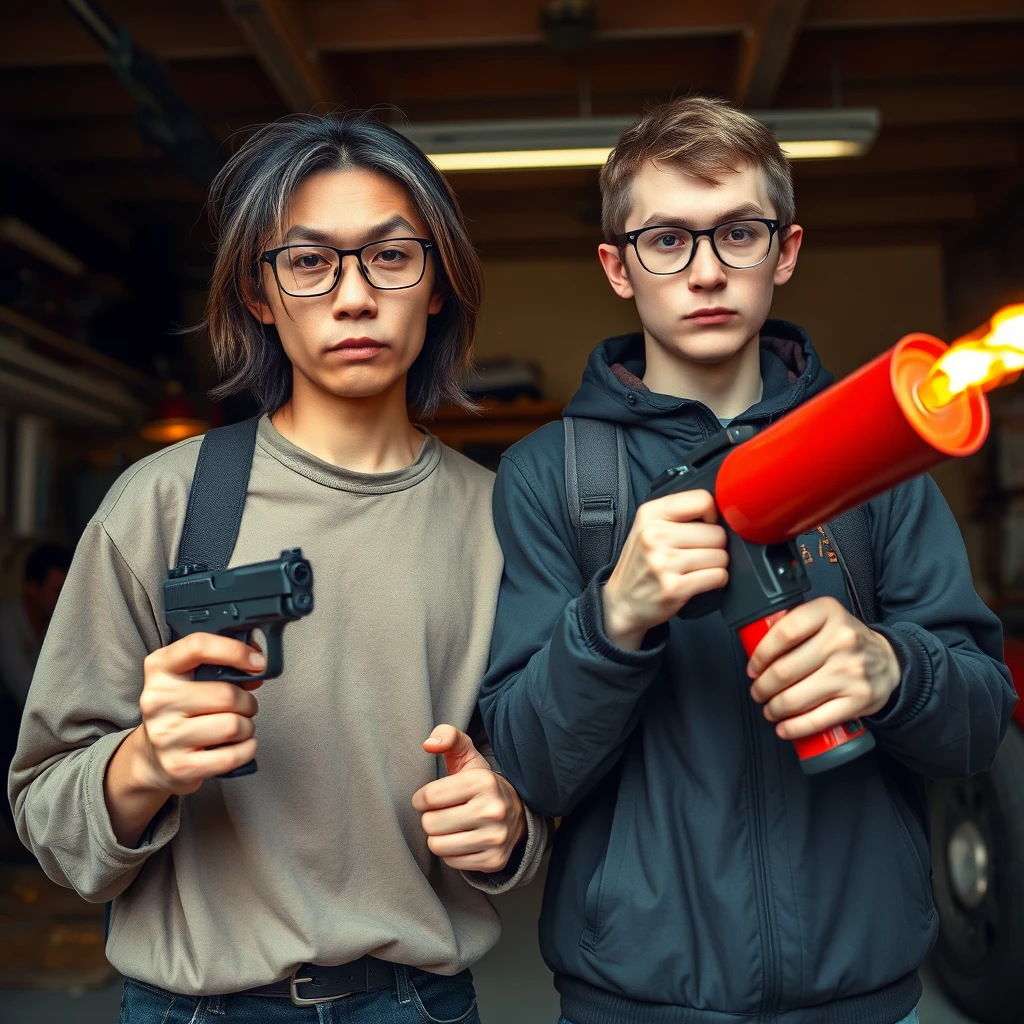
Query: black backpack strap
x,y
214,511
597,490
217,497
850,537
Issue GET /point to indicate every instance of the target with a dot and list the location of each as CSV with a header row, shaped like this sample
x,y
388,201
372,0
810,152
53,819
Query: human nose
x,y
706,270
353,295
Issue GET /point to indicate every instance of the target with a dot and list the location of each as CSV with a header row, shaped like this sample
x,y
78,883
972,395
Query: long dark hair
x,y
248,199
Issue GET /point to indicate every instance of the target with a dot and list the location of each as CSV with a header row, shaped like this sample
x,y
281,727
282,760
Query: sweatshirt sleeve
x,y
559,698
83,702
955,699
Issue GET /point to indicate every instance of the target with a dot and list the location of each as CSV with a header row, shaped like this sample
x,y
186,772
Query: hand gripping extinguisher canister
x,y
765,582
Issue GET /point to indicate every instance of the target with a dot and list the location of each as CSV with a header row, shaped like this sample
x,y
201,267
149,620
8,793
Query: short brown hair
x,y
702,136
248,200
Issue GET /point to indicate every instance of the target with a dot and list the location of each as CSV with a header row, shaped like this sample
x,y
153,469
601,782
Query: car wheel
x,y
977,833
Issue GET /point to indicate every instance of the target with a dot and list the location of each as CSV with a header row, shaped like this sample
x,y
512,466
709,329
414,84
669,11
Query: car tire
x,y
977,833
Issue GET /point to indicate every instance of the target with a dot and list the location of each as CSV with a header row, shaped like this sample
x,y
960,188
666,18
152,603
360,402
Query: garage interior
x,y
115,115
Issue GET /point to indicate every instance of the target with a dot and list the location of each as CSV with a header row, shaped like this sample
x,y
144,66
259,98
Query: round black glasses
x,y
669,248
307,270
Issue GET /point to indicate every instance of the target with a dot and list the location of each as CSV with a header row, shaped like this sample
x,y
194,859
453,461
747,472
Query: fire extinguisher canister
x,y
855,440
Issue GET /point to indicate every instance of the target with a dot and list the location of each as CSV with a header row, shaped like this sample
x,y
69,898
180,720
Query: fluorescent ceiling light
x,y
820,149
520,159
586,141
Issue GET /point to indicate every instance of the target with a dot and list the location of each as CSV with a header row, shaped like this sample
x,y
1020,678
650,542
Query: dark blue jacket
x,y
698,874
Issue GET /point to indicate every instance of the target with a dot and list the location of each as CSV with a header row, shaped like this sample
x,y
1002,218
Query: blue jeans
x,y
417,998
911,1018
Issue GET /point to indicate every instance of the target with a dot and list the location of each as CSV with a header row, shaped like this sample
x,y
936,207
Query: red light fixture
x,y
174,417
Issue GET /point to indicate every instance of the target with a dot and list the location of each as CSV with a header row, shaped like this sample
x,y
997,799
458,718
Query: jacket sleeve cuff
x,y
160,831
916,678
522,864
591,617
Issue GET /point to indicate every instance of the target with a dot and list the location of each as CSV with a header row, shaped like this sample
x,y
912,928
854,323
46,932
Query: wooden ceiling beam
x,y
284,50
211,88
237,93
456,24
44,34
767,44
847,14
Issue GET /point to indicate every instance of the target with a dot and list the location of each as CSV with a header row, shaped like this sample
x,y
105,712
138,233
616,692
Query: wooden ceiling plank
x,y
48,35
279,41
44,35
767,44
847,14
453,24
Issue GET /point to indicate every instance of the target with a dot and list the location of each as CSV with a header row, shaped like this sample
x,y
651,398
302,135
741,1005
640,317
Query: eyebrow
x,y
737,213
378,231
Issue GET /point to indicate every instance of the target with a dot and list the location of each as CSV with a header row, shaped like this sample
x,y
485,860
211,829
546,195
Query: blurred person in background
x,y
23,622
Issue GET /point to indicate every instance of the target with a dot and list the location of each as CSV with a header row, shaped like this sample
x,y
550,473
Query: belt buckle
x,y
298,1000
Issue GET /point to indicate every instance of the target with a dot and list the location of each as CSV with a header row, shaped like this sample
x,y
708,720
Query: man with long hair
x,y
344,288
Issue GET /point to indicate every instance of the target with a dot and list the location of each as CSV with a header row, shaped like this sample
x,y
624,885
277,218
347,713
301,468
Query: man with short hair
x,y
699,877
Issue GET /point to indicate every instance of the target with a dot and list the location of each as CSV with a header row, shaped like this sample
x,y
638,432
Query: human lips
x,y
358,348
712,315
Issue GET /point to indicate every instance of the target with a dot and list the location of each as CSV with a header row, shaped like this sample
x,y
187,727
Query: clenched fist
x,y
819,666
675,550
473,818
190,731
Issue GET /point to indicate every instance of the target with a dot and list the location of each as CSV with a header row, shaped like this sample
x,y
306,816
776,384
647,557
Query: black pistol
x,y
235,602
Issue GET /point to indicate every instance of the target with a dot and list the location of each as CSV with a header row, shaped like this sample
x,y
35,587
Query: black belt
x,y
322,984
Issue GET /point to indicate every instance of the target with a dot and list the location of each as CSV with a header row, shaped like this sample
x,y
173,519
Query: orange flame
x,y
986,358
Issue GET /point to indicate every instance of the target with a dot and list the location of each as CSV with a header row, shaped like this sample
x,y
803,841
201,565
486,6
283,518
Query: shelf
x,y
497,425
75,349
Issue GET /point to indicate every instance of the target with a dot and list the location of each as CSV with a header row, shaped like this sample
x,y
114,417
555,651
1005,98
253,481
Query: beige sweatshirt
x,y
319,856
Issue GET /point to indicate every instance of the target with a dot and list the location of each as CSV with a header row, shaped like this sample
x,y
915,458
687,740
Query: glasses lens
x,y
664,250
743,243
307,269
394,262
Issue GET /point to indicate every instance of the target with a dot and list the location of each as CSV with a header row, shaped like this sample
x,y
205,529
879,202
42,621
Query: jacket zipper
x,y
767,1010
766,1013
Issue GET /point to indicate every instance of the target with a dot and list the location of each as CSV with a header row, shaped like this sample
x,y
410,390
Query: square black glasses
x,y
306,270
670,248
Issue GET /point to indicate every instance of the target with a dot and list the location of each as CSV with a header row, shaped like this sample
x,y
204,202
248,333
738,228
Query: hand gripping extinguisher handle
x,y
830,747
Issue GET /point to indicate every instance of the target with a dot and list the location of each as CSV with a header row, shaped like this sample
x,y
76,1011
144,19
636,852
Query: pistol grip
x,y
223,674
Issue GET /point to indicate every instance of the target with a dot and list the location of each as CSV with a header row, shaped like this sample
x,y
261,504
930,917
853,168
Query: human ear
x,y
788,252
255,304
437,301
612,262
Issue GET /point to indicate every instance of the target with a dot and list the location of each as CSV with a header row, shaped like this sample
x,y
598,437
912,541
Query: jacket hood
x,y
613,388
